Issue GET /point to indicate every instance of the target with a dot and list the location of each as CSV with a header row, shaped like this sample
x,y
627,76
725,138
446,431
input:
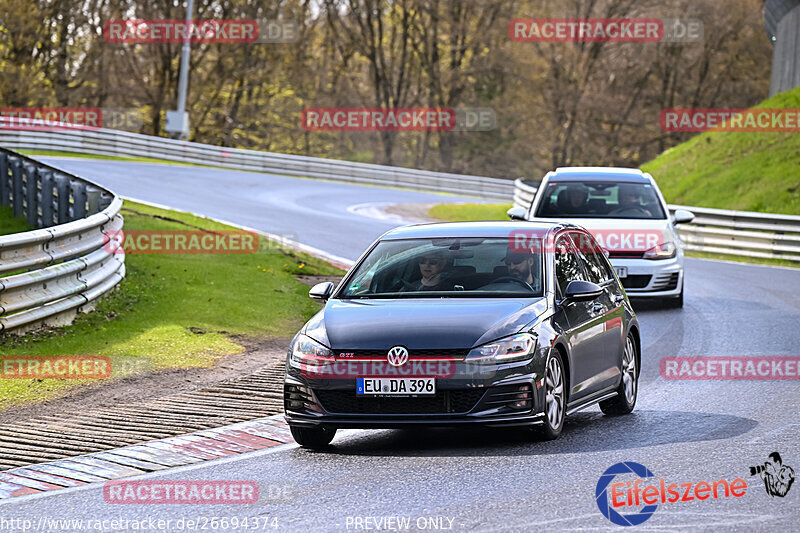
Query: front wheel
x,y
555,397
313,438
625,400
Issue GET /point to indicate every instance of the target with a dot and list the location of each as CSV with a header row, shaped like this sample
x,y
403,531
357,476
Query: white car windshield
x,y
600,199
449,267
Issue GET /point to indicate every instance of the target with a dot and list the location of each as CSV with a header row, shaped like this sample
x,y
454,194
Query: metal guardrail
x,y
125,144
49,274
721,231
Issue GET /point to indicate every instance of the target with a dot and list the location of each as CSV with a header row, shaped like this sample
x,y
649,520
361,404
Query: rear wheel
x,y
555,397
313,438
625,400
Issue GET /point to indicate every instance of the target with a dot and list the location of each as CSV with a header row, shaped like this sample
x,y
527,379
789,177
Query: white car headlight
x,y
665,250
308,353
514,348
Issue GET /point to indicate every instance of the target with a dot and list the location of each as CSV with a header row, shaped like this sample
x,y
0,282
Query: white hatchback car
x,y
626,212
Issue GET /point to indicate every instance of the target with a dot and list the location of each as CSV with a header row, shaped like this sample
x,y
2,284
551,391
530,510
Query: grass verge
x,y
175,311
10,224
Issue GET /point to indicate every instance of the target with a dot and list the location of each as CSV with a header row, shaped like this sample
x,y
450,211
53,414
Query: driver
x,y
433,277
630,199
520,265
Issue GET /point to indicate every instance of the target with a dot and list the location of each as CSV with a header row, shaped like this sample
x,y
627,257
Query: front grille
x,y
444,402
638,281
625,255
458,353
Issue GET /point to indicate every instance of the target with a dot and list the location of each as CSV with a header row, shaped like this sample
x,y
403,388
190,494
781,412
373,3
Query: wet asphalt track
x,y
496,480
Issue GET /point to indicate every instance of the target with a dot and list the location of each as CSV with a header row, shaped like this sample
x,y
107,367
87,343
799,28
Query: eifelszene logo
x,y
777,477
613,497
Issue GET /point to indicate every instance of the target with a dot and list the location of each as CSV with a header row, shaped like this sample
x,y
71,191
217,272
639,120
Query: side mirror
x,y
582,291
321,291
517,213
682,216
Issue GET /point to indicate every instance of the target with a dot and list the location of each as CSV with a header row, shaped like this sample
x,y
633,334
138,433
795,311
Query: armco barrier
x,y
744,233
49,274
125,144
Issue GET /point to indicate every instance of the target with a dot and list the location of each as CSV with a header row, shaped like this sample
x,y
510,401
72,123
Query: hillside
x,y
745,171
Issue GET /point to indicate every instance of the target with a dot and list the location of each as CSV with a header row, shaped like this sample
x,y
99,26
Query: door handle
x,y
597,309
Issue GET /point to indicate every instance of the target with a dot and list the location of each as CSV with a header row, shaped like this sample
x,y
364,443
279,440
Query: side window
x,y
589,252
568,267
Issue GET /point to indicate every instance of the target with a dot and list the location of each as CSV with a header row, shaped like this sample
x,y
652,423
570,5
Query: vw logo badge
x,y
398,356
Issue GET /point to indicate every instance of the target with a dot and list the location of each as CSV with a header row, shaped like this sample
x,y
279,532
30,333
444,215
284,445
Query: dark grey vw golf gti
x,y
495,323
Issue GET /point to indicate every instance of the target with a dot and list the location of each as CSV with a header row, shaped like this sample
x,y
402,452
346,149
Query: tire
x,y
555,398
315,438
625,400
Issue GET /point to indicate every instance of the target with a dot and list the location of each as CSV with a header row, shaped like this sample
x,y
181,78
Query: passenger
x,y
433,275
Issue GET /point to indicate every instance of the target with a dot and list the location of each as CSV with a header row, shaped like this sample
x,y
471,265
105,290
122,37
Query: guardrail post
x,y
47,198
5,187
93,199
31,193
105,201
62,188
79,200
17,205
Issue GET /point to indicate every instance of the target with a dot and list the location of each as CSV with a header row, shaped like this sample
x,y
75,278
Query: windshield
x,y
453,267
600,199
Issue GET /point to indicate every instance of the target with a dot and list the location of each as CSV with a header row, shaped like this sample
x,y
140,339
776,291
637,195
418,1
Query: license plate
x,y
395,386
622,272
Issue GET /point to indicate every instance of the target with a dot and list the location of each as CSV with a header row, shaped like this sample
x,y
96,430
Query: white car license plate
x,y
395,386
622,272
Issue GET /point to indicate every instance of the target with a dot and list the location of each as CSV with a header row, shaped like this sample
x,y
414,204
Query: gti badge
x,y
398,356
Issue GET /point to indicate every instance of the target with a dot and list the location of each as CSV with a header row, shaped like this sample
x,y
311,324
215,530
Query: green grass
x,y
9,223
176,311
464,212
745,171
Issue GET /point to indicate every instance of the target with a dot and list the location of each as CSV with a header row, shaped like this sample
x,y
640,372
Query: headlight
x,y
666,250
513,348
309,354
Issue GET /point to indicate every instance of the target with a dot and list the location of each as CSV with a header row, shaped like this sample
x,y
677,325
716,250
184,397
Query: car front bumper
x,y
337,406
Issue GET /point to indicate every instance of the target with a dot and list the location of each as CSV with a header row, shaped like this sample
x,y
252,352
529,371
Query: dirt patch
x,y
313,280
411,212
259,353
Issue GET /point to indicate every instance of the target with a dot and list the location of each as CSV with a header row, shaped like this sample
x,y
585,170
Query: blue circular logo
x,y
603,500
